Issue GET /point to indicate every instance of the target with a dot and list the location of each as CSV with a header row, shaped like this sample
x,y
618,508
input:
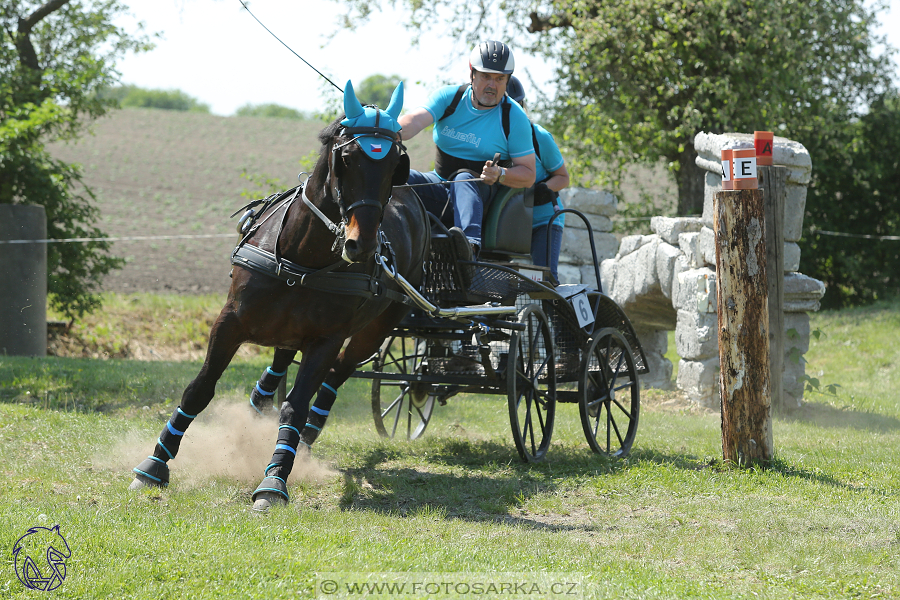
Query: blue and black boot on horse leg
x,y
262,397
291,442
154,471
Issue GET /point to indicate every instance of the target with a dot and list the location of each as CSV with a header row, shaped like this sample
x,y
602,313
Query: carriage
x,y
510,332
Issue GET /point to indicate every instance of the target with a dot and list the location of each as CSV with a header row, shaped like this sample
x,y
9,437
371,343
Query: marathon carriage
x,y
509,332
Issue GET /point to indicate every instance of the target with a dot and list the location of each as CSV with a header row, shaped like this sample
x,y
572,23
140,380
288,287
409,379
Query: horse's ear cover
x,y
366,116
401,173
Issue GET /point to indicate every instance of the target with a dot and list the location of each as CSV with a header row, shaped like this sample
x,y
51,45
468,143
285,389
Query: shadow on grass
x,y
826,415
483,481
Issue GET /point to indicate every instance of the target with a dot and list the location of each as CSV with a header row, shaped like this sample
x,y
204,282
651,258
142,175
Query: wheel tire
x,y
531,384
608,416
399,406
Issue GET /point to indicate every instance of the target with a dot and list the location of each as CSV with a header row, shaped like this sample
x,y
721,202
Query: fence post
x,y
23,281
743,319
773,184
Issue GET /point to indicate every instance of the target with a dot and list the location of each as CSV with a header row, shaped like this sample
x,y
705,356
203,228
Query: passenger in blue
x,y
472,123
551,177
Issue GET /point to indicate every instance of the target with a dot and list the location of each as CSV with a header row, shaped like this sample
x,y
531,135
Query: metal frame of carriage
x,y
506,333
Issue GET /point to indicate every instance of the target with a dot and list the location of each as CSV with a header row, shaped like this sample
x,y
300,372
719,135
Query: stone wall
x,y
667,280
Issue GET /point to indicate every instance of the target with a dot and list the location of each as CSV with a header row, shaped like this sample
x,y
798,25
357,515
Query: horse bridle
x,y
335,180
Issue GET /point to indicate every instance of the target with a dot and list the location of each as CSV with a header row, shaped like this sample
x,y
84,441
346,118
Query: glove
x,y
543,194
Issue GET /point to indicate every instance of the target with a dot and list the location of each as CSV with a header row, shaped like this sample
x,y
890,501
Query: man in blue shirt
x,y
471,124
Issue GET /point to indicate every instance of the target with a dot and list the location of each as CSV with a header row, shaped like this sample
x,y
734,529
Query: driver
x,y
472,123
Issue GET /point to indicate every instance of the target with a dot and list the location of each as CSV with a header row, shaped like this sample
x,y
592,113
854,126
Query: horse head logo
x,y
40,556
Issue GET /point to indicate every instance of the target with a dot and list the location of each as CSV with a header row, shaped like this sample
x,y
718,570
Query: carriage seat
x,y
506,226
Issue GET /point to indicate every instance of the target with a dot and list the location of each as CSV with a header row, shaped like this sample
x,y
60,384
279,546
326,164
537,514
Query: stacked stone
x,y
801,292
576,264
667,281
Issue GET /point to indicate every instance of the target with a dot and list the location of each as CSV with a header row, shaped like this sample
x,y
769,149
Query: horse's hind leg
x,y
261,397
224,340
360,347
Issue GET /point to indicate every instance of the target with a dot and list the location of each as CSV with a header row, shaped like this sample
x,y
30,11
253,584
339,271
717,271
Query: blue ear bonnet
x,y
372,128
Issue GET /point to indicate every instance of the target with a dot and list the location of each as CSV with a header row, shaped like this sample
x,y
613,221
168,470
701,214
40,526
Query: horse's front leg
x,y
262,394
226,336
317,358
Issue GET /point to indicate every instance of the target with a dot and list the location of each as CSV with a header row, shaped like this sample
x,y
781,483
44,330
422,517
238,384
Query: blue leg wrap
x,y
318,414
262,394
285,451
170,439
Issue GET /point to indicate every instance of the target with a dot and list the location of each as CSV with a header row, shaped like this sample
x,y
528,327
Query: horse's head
x,y
367,160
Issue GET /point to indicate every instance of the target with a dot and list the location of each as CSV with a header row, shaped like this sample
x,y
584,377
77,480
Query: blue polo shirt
x,y
473,134
551,159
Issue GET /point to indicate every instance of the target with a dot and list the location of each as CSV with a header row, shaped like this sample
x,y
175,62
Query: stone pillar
x,y
801,293
23,271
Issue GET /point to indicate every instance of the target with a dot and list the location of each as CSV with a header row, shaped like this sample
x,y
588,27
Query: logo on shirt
x,y
468,138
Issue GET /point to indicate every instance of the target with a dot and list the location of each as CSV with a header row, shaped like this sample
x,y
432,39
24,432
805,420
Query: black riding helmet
x,y
515,90
492,57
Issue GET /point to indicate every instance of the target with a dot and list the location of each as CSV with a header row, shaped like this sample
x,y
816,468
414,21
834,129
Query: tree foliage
x,y
637,80
54,59
132,96
856,190
377,89
270,111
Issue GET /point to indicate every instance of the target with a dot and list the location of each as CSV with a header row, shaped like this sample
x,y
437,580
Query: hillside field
x,y
159,173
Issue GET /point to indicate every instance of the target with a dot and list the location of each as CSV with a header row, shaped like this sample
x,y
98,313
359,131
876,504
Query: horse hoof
x,y
137,485
262,405
151,472
265,501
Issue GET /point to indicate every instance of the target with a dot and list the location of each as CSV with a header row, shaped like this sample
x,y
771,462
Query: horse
x,y
308,275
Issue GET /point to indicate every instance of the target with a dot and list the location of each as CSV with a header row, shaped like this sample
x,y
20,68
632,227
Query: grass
x,y
670,521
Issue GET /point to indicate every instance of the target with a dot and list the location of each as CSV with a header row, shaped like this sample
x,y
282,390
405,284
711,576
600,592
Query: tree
x,y
857,194
132,96
377,89
271,111
638,79
54,58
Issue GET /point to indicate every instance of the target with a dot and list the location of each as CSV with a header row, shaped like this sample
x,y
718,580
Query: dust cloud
x,y
227,440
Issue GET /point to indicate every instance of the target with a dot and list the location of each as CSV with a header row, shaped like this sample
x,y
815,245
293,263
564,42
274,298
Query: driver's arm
x,y
520,175
414,121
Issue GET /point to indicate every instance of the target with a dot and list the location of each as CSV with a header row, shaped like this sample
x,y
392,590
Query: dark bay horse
x,y
306,279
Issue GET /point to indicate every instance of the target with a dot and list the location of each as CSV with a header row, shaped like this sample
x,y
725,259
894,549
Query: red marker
x,y
764,141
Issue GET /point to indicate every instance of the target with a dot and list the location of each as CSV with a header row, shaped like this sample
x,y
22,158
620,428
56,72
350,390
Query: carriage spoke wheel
x,y
531,384
609,396
401,407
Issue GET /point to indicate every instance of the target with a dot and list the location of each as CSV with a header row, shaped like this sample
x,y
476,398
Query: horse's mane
x,y
331,130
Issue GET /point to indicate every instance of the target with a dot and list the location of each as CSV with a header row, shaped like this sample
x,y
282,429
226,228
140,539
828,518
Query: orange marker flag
x,y
764,141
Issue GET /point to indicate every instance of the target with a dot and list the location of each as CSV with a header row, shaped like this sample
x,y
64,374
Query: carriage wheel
x,y
401,406
531,384
609,394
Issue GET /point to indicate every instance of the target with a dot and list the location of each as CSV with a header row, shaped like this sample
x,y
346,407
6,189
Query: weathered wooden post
x,y
743,316
773,184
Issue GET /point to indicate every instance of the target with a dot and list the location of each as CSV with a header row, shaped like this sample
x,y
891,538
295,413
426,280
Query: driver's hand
x,y
490,173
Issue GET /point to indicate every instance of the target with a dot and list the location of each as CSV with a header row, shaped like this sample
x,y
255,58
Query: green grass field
x,y
670,521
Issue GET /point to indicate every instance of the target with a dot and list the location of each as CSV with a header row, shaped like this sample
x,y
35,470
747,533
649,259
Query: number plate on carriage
x,y
582,308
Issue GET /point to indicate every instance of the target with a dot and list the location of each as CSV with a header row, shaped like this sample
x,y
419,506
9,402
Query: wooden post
x,y
743,311
773,184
